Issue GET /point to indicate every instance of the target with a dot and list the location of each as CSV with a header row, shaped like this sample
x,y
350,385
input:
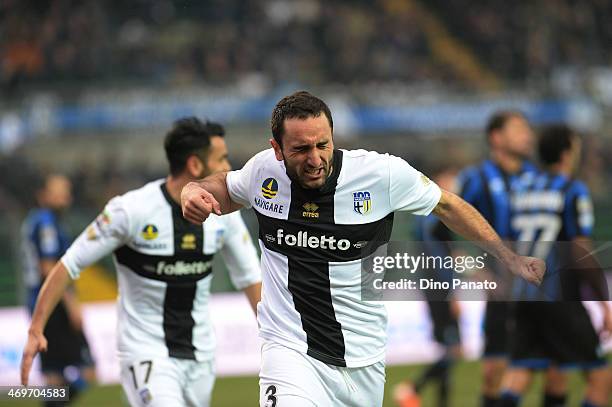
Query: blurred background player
x,y
164,263
557,208
444,310
487,186
68,360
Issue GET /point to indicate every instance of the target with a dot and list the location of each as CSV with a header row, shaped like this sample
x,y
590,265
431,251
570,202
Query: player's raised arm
x,y
463,219
411,191
220,193
210,195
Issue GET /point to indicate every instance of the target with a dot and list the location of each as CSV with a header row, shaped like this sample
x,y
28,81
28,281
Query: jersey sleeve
x,y
47,239
239,253
410,190
106,233
239,183
579,211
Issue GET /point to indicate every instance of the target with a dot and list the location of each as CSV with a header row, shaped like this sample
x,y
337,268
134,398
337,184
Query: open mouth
x,y
314,173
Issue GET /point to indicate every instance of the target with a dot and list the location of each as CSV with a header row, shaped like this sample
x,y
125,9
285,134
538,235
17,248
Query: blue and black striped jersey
x,y
434,238
488,188
42,238
554,208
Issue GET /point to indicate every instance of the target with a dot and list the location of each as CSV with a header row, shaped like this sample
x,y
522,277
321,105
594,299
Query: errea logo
x,y
310,210
188,242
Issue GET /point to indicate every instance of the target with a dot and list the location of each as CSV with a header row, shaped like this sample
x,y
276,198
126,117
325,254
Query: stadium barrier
x,y
133,111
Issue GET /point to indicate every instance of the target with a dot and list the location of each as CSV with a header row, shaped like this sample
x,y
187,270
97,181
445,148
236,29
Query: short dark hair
x,y
188,136
42,178
498,120
300,105
554,140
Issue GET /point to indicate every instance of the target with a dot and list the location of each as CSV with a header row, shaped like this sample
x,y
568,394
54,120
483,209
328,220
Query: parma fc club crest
x,y
362,202
269,188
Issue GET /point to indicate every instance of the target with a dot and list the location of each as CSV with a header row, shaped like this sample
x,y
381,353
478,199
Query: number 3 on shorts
x,y
271,393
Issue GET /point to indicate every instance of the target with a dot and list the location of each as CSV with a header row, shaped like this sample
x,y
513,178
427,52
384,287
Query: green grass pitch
x,y
244,391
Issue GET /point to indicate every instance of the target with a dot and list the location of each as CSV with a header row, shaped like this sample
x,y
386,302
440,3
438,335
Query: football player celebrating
x,y
319,209
164,267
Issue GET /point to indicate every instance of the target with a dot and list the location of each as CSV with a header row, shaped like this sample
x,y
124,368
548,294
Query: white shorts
x,y
289,378
167,382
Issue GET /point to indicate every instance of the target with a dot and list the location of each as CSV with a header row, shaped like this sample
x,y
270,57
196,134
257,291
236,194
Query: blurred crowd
x,y
215,41
310,41
529,39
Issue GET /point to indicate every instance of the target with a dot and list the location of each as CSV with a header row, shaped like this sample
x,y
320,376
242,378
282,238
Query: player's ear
x,y
194,166
568,156
277,149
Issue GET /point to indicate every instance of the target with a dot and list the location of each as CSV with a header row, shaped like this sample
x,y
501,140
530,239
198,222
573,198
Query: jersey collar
x,y
173,204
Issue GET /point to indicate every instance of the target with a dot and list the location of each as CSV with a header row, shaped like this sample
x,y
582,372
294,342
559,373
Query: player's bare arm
x,y
50,294
73,308
69,299
210,195
463,219
46,265
253,294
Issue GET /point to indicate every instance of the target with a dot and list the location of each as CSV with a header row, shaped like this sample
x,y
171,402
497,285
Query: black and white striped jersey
x,y
312,243
164,266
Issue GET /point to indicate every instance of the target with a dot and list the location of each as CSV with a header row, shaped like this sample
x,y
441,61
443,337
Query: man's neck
x,y
174,185
561,168
509,163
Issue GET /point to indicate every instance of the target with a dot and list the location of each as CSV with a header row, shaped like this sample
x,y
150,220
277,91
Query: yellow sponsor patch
x,y
149,232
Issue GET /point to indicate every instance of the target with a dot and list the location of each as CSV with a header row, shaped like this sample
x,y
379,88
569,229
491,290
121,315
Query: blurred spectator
x,y
177,41
311,41
528,40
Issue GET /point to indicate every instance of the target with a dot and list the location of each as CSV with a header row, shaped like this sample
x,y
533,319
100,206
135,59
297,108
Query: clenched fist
x,y
197,203
529,268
